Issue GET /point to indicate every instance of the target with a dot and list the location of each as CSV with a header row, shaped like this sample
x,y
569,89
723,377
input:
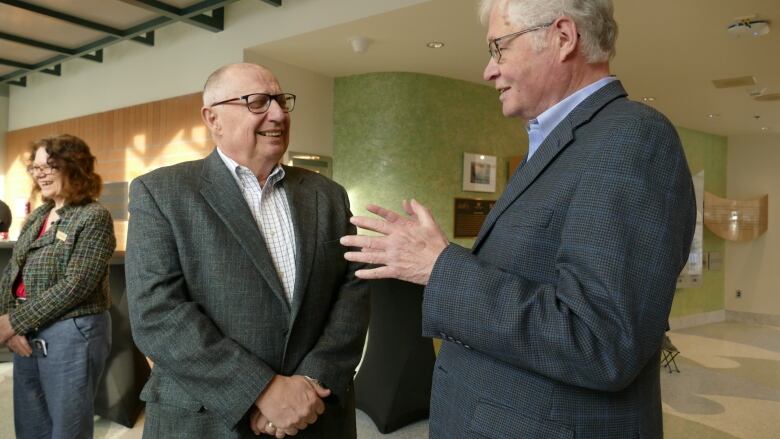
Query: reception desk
x,y
126,369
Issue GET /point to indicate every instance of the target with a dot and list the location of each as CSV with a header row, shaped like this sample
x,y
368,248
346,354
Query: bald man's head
x,y
218,83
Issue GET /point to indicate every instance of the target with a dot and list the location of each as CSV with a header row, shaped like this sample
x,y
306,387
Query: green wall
x,y
403,135
705,152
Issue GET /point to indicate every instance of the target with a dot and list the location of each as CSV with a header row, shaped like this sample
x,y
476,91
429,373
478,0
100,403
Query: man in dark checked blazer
x,y
552,323
238,290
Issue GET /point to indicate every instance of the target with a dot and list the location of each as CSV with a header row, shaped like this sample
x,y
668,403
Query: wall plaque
x,y
469,216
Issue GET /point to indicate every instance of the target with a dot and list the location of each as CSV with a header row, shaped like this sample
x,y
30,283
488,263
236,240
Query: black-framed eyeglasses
x,y
259,103
42,170
495,49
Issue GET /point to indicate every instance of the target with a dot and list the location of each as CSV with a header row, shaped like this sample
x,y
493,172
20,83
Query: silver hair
x,y
593,18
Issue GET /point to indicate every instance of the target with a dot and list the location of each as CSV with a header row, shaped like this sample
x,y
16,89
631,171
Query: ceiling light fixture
x,y
713,115
648,99
435,44
748,26
764,128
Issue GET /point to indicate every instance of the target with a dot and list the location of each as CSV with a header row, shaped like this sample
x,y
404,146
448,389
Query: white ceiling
x,y
668,49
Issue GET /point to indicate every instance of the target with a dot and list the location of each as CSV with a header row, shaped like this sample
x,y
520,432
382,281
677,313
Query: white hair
x,y
594,20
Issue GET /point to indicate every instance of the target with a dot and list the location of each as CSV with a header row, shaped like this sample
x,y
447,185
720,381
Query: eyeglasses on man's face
x,y
259,103
43,170
494,45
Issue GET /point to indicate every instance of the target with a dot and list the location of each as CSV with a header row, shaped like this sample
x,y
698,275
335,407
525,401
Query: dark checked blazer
x,y
207,306
552,323
65,271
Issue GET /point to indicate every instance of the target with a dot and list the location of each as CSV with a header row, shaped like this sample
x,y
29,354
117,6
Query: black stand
x,y
126,368
393,386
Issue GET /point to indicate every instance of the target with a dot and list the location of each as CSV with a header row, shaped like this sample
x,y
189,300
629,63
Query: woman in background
x,y
54,296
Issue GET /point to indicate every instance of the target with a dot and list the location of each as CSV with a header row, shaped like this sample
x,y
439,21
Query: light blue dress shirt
x,y
541,127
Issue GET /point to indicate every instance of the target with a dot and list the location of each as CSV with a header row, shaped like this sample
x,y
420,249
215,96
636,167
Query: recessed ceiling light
x,y
648,99
764,128
713,115
435,44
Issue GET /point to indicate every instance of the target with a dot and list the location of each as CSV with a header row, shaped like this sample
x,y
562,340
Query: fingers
x,y
19,345
362,241
369,257
421,213
407,205
257,422
383,272
387,214
373,224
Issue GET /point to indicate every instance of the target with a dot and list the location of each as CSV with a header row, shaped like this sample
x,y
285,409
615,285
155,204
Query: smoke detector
x,y
748,26
359,44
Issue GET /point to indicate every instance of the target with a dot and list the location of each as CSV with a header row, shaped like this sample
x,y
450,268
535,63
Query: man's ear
x,y
567,37
210,118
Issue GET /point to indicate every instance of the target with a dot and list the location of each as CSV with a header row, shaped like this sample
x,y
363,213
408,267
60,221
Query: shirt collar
x,y
277,174
541,127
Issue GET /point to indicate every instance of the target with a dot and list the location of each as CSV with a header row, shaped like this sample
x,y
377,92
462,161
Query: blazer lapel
x,y
562,136
303,208
224,196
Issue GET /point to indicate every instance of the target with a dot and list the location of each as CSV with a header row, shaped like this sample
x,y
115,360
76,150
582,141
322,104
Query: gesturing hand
x,y
407,249
289,404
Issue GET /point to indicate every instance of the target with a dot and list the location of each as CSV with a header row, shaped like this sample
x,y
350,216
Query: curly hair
x,y
72,158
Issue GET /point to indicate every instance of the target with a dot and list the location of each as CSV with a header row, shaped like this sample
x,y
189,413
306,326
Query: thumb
x,y
321,391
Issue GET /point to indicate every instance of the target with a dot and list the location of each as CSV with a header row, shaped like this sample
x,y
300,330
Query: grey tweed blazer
x,y
552,323
207,306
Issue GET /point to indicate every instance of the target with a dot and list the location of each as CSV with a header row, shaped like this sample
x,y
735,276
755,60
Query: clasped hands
x,y
16,343
287,405
407,248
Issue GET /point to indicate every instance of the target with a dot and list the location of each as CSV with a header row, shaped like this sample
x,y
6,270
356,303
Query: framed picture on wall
x,y
479,172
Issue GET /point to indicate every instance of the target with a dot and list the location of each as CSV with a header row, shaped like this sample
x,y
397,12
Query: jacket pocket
x,y
496,421
163,390
538,217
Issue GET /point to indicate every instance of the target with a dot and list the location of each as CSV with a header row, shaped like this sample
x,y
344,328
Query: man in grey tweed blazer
x,y
552,323
237,288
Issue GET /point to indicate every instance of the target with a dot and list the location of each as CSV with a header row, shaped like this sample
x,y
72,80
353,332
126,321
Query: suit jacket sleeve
x,y
622,245
337,352
172,330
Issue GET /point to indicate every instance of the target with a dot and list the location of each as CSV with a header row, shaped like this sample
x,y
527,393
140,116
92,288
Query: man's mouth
x,y
270,133
502,90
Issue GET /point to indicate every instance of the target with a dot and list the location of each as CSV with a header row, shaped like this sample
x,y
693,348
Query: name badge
x,y
62,236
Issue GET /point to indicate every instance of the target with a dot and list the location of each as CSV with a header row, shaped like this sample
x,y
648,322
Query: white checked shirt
x,y
271,211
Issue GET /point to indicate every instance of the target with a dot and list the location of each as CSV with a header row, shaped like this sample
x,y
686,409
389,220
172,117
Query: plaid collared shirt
x,y
271,212
65,271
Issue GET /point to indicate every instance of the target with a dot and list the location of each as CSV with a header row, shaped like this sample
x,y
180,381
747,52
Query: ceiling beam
x,y
56,70
143,33
36,43
72,19
192,14
21,82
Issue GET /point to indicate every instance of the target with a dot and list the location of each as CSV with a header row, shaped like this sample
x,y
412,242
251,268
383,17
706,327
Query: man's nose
x,y
491,70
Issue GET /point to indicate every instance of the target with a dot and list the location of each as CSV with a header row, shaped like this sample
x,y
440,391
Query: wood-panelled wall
x,y
127,142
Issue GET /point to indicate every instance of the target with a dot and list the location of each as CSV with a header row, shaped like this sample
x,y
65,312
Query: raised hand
x,y
407,247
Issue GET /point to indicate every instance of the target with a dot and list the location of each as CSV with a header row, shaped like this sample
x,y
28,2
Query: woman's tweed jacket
x,y
65,271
